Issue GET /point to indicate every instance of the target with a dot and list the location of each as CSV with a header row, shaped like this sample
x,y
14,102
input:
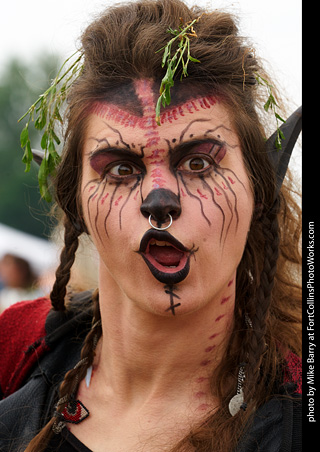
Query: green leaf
x,y
166,53
279,117
45,192
27,156
57,115
158,107
24,136
43,180
167,95
55,137
267,104
41,120
44,141
194,60
51,147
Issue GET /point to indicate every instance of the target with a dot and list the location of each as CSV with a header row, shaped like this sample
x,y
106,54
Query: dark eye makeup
x,y
196,156
117,163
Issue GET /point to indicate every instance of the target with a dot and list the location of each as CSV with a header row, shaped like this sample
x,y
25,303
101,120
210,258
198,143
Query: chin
x,y
172,300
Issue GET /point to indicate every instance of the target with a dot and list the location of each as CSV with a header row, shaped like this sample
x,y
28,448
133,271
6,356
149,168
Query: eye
x,y
195,164
122,170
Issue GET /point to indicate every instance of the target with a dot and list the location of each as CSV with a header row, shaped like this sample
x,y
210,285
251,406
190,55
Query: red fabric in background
x,y
21,325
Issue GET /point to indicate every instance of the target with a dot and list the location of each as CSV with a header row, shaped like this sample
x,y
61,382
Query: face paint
x,y
169,290
159,203
191,167
167,258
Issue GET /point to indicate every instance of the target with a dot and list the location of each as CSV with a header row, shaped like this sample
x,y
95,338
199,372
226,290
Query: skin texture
x,y
166,310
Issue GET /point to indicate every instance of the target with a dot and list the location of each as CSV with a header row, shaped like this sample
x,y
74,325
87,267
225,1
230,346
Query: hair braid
x,y
256,341
67,257
72,378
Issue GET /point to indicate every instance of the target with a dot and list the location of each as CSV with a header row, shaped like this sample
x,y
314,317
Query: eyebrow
x,y
186,147
114,150
177,151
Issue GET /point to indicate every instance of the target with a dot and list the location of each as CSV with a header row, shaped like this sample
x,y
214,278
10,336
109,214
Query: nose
x,y
159,203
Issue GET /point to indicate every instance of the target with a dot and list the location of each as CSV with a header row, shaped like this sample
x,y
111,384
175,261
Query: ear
x,y
37,156
78,225
280,157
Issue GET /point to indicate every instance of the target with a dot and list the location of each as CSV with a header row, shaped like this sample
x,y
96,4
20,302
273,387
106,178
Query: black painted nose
x,y
159,203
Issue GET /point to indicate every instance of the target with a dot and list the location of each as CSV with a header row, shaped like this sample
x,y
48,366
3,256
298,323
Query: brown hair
x,y
119,47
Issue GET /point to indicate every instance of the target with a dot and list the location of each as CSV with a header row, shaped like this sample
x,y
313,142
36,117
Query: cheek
x,y
107,205
220,202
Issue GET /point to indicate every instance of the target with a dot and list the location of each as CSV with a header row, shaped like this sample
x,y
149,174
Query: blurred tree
x,y
20,203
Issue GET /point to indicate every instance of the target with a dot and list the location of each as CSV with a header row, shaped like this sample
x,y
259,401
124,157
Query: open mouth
x,y
166,258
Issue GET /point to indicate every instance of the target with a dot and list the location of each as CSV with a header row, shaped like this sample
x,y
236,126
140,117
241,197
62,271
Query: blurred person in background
x,y
18,280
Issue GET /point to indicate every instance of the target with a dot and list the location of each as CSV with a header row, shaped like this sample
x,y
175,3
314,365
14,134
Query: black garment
x,y
276,426
66,442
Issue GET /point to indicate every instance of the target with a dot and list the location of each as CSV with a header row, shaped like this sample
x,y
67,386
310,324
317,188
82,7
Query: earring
x,y
74,412
237,401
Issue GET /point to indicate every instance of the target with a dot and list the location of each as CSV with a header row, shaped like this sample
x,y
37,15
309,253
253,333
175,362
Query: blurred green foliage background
x,y
20,204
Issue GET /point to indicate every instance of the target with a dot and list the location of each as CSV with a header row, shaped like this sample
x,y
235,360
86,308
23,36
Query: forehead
x,y
130,112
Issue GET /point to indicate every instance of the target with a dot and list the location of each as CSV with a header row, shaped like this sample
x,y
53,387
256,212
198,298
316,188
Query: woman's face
x,y
190,168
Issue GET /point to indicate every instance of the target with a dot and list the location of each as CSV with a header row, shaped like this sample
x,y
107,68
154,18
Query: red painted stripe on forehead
x,y
146,94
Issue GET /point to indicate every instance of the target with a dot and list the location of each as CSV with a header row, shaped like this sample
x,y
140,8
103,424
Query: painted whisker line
x,y
99,141
195,197
92,181
227,200
232,146
236,177
188,127
97,210
178,189
118,133
88,202
220,126
127,199
110,207
207,186
231,190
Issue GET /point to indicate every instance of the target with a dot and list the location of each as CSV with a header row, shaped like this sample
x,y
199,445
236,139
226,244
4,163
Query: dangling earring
x,y
74,412
237,402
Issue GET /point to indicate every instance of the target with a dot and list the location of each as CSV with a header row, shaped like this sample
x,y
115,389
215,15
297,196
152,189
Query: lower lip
x,y
168,275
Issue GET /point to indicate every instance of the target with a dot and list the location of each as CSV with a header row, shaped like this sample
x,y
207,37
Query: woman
x,y
191,341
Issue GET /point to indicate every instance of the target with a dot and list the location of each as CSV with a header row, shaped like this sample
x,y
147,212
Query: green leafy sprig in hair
x,y
45,113
272,105
180,57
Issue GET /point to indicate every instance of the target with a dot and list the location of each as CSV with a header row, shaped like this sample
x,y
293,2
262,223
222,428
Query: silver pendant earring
x,y
237,401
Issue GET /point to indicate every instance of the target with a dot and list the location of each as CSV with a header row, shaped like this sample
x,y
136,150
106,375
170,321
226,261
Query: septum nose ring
x,y
160,229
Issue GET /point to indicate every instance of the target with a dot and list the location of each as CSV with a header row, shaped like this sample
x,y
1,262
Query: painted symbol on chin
x,y
169,290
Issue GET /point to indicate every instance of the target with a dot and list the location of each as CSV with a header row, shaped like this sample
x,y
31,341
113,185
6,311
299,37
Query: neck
x,y
145,355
